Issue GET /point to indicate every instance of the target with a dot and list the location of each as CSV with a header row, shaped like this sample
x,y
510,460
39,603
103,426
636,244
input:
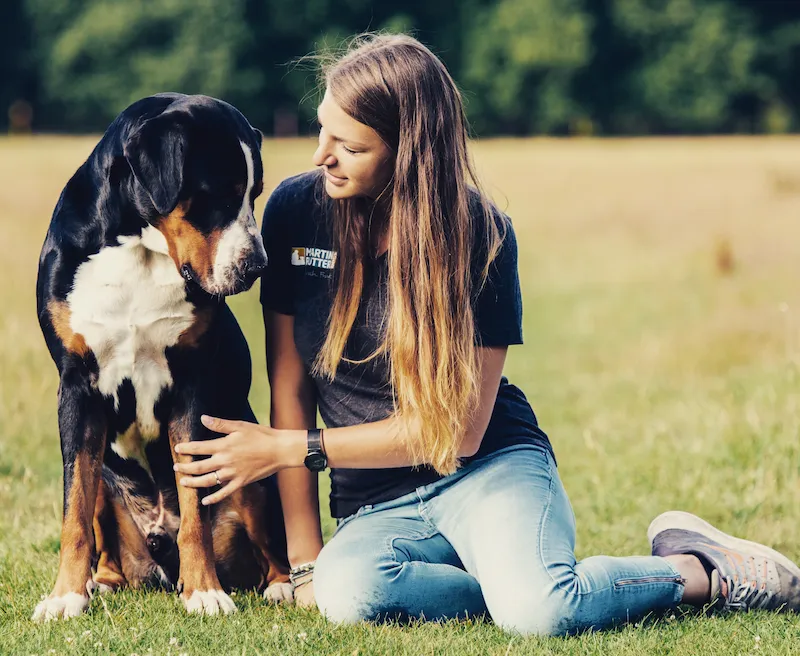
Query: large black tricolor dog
x,y
147,239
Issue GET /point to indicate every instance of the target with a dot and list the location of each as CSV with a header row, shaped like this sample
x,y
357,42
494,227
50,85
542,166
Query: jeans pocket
x,y
344,521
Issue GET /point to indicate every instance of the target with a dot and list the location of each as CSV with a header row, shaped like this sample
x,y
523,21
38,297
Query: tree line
x,y
526,67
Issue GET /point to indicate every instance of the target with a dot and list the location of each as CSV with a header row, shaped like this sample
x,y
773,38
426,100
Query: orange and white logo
x,y
299,256
318,258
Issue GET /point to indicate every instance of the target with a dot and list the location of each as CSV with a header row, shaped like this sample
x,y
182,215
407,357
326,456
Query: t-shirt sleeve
x,y
498,307
277,291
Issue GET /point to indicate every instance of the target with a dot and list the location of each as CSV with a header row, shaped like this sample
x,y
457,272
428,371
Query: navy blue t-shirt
x,y
299,281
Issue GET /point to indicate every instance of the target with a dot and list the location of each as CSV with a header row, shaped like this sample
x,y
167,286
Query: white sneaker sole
x,y
677,519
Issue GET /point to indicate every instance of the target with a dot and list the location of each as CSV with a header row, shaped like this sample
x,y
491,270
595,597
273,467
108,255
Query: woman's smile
x,y
334,179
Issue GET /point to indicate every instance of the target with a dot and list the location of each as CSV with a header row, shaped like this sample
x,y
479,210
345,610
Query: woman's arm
x,y
245,455
293,406
376,445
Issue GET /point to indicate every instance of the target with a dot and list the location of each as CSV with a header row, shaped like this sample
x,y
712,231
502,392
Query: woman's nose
x,y
323,156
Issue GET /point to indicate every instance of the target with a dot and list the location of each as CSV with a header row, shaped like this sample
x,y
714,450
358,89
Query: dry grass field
x,y
661,282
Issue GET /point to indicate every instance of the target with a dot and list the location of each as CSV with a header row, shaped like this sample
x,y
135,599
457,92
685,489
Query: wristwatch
x,y
316,460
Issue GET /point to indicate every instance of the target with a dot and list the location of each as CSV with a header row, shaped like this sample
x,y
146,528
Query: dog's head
x,y
197,171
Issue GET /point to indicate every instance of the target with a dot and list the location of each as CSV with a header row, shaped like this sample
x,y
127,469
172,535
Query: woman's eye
x,y
352,152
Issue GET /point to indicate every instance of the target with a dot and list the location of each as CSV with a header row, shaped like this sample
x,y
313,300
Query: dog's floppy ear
x,y
156,153
259,136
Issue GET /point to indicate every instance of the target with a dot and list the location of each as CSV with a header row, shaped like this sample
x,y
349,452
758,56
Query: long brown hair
x,y
399,88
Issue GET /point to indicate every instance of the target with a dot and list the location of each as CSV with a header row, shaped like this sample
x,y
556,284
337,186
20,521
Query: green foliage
x,y
522,58
526,66
696,59
111,53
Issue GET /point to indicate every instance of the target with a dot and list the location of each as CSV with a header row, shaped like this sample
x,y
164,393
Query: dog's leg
x,y
198,583
253,505
259,562
108,575
82,425
237,563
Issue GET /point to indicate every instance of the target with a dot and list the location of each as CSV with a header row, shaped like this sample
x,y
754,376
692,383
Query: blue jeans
x,y
496,537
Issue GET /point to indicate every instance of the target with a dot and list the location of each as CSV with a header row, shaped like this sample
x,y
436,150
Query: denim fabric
x,y
496,537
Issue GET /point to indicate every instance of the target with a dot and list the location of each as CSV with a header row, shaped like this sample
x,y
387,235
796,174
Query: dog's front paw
x,y
65,606
208,602
278,593
107,581
104,588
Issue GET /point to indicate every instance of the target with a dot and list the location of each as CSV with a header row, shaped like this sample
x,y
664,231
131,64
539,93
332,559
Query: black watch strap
x,y
314,440
315,460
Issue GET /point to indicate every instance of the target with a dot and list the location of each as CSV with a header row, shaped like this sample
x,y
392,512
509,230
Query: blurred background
x,y
602,67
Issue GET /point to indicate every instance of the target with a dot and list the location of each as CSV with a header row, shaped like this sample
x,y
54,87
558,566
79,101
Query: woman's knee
x,y
548,612
349,590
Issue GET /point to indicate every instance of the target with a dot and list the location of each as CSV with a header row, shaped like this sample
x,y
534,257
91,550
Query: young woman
x,y
390,299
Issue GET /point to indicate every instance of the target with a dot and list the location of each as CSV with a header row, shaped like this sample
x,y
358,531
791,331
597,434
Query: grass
x,y
665,378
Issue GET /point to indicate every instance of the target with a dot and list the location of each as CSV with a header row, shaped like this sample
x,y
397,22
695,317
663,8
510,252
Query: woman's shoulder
x,y
483,209
294,203
298,189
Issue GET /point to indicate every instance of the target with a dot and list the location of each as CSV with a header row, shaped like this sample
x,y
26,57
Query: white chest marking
x,y
130,446
128,302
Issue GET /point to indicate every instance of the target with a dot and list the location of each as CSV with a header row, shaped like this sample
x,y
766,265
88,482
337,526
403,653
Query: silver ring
x,y
216,475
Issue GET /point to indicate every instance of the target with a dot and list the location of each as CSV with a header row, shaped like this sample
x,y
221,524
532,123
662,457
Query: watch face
x,y
316,461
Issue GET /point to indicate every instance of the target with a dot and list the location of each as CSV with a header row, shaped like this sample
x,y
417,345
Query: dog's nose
x,y
257,261
253,268
156,543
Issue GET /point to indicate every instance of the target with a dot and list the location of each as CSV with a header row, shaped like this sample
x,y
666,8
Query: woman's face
x,y
356,160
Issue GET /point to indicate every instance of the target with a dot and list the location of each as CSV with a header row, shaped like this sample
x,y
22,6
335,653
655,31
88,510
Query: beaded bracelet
x,y
304,571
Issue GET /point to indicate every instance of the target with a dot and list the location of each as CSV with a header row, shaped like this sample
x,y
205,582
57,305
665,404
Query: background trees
x,y
526,66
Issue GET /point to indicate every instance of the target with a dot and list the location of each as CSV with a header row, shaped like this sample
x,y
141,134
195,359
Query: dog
x,y
149,236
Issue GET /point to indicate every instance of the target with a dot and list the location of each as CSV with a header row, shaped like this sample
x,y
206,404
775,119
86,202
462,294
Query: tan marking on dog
x,y
60,318
186,244
195,543
106,539
77,535
236,562
190,338
250,505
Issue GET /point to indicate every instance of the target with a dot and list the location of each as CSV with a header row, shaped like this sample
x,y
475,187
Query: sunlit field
x,y
661,282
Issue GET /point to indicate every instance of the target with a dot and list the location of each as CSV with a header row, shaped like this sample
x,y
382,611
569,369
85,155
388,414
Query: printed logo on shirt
x,y
317,258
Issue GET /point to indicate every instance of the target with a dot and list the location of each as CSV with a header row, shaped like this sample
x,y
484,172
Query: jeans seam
x,y
543,521
389,544
423,513
545,516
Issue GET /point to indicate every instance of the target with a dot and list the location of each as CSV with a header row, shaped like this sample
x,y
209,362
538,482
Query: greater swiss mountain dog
x,y
147,239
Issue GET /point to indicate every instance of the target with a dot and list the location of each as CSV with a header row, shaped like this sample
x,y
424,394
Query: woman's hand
x,y
248,453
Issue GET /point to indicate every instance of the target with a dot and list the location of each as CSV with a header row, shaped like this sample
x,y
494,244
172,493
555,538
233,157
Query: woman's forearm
x,y
379,445
300,502
376,445
299,489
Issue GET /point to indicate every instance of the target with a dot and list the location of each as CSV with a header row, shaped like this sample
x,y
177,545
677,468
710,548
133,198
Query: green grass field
x,y
661,281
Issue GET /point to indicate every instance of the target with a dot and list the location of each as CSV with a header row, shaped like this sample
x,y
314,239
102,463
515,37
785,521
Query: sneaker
x,y
755,575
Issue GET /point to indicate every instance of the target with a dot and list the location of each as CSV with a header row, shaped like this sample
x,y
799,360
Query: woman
x,y
390,300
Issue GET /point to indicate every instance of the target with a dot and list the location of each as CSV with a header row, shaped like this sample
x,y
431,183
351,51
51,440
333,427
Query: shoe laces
x,y
746,594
